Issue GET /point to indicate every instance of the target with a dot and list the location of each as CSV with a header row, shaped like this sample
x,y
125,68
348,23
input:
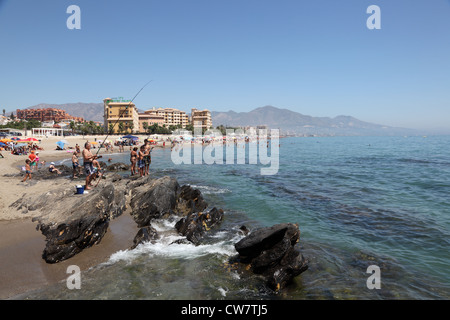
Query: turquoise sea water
x,y
358,201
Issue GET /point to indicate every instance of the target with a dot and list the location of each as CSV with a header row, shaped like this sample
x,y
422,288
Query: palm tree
x,y
120,129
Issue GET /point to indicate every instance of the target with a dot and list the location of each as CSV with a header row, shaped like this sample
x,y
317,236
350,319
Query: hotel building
x,y
165,116
118,111
201,118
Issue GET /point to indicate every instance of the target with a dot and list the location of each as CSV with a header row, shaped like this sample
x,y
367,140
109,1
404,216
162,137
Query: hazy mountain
x,y
296,123
289,122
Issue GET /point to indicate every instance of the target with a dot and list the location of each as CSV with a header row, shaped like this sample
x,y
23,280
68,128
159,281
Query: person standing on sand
x,y
27,170
88,159
32,158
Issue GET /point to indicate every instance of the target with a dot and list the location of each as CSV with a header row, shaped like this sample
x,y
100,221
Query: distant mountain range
x,y
289,122
294,123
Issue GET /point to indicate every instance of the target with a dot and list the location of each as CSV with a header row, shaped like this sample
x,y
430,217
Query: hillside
x,y
290,122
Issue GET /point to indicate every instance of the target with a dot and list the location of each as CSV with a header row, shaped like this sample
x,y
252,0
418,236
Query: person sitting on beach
x,y
98,173
27,170
52,168
88,159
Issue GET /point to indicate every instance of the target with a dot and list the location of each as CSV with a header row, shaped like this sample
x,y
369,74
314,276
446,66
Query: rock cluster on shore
x,y
271,252
72,223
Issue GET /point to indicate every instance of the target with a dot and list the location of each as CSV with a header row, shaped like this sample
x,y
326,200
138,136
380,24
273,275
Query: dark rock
x,y
154,201
190,200
271,252
194,225
118,166
86,221
244,230
261,239
145,234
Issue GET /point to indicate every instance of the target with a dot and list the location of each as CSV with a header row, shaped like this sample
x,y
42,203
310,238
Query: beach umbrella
x,y
31,139
130,137
15,138
20,145
2,144
61,143
93,142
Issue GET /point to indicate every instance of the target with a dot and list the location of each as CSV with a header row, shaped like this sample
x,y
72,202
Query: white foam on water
x,y
210,189
166,245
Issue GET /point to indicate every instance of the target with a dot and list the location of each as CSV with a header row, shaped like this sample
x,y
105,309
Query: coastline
x,y
21,245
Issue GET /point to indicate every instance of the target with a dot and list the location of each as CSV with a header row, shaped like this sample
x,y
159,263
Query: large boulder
x,y
86,222
271,252
154,199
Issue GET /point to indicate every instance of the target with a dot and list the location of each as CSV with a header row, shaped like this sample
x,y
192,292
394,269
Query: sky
x,y
317,58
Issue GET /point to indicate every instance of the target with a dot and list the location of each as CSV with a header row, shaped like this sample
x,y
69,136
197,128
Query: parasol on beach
x,y
61,143
15,138
31,139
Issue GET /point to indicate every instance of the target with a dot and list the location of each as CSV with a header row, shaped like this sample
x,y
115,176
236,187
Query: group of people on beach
x,y
141,157
32,164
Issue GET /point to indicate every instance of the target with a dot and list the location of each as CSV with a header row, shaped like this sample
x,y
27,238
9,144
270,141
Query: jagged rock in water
x,y
145,234
154,200
190,200
271,252
194,225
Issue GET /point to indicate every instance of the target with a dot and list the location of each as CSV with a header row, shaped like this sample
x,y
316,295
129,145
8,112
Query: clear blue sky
x,y
314,57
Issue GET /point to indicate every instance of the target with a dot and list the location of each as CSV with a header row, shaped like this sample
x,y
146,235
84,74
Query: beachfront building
x,y
201,118
120,116
149,118
170,116
47,114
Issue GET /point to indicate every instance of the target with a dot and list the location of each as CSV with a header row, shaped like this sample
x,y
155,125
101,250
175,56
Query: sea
x,y
359,202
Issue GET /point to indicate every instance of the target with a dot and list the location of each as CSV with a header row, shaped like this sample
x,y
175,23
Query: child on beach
x,y
27,170
52,168
75,165
141,163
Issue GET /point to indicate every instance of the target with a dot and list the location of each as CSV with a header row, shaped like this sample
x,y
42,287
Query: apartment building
x,y
169,116
120,116
45,115
150,118
201,118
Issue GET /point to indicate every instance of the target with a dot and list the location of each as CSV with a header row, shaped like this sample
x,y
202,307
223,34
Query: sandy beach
x,y
21,245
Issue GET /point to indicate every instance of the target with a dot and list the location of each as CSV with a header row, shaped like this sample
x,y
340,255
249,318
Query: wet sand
x,y
21,247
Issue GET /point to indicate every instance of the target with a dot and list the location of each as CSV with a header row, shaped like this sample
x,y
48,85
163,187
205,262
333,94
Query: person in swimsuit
x,y
133,160
88,159
141,162
52,168
75,165
27,170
